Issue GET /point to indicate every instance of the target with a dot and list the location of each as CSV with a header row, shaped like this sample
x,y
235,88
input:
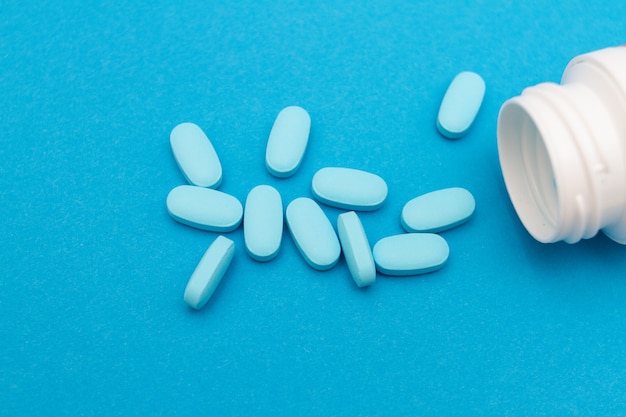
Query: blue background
x,y
92,320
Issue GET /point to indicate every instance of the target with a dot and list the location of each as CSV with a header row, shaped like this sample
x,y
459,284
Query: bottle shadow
x,y
598,259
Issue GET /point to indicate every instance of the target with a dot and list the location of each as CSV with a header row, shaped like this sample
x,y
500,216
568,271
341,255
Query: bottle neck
x,y
563,161
563,151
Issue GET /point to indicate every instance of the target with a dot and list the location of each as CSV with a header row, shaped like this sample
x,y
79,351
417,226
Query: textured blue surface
x,y
92,320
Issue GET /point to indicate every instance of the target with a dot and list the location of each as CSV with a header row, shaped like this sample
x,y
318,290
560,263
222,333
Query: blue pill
x,y
204,208
313,233
287,141
195,155
410,254
263,222
209,272
460,104
356,249
349,189
438,210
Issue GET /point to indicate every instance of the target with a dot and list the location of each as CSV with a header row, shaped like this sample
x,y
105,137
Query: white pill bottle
x,y
562,151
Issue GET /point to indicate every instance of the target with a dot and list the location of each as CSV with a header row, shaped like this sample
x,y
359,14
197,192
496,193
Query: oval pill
x,y
460,104
195,155
263,222
438,210
209,272
313,233
287,141
356,249
348,188
410,253
204,208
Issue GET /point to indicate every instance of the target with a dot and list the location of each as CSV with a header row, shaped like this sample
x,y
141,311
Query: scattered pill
x,y
313,233
195,155
356,249
460,104
263,222
349,189
410,253
419,251
204,208
438,210
209,272
287,141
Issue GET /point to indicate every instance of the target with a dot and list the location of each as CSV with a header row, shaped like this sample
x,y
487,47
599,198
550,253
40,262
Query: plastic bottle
x,y
562,151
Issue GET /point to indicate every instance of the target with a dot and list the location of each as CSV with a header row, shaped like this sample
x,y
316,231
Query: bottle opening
x,y
528,172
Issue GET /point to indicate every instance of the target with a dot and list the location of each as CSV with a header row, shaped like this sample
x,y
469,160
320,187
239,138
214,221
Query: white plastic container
x,y
563,151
